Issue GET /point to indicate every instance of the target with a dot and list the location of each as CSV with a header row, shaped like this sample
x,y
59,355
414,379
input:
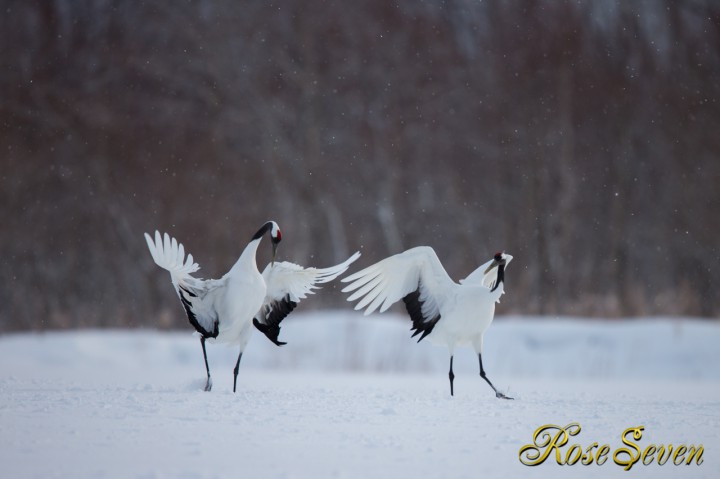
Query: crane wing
x,y
416,276
479,277
197,296
287,284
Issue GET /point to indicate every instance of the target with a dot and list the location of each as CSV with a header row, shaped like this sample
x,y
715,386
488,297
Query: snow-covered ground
x,y
354,397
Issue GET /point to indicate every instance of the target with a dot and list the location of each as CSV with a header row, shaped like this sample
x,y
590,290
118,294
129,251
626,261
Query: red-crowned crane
x,y
225,309
446,312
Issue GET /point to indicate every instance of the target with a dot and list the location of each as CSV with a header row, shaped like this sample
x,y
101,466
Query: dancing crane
x,y
224,310
440,309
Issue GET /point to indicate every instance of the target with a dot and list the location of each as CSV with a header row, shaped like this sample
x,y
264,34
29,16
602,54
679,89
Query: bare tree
x,y
580,137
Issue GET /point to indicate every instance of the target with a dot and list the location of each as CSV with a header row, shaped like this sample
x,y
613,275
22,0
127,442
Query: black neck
x,y
265,228
500,277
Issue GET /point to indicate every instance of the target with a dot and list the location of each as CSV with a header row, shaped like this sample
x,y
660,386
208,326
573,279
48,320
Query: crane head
x,y
500,258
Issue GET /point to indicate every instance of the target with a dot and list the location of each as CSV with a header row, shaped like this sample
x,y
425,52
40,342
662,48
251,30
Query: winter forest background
x,y
582,137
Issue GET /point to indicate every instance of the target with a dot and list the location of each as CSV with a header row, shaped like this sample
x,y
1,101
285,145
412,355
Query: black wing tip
x,y
414,308
428,331
271,332
188,291
273,314
187,305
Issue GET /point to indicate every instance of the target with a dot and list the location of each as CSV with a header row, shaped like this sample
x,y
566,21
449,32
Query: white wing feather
x,y
170,255
289,279
391,279
199,296
287,284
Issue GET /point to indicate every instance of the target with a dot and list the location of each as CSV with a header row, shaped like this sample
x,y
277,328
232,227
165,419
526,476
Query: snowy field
x,y
354,397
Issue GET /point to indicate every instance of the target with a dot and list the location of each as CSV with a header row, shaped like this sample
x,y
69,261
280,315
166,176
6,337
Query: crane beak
x,y
274,250
492,265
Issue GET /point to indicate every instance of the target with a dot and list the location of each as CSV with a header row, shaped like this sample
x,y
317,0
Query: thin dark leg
x,y
208,384
482,375
235,371
451,376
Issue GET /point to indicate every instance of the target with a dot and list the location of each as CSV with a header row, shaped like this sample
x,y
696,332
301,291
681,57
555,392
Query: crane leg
x,y
498,394
451,376
208,384
235,371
